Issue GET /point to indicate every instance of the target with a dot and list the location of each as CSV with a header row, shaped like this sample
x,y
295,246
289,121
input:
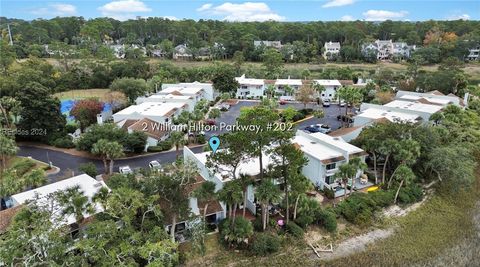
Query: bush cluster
x,y
295,230
265,243
410,194
64,142
23,166
328,220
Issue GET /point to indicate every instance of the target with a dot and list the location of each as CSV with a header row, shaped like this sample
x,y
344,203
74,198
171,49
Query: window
x,y
330,166
330,179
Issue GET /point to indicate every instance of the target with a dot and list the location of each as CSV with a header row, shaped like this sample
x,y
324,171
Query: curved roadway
x,y
68,163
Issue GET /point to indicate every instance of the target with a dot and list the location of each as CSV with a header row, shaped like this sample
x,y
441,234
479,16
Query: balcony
x,y
359,184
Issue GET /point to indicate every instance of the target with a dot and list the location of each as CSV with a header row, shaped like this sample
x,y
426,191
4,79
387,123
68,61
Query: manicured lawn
x,y
83,93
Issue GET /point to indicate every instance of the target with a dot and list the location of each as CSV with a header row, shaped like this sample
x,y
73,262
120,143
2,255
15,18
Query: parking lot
x,y
229,117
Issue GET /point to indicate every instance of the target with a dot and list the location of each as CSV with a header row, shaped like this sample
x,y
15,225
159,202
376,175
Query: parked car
x,y
342,103
125,170
326,103
154,165
344,118
210,122
318,128
224,107
282,102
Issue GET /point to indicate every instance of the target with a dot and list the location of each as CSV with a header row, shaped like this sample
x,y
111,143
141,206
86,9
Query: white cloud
x,y
170,17
336,3
459,16
204,7
247,11
58,9
124,9
347,18
381,15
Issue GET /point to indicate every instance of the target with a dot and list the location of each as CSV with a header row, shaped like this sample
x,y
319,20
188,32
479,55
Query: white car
x,y
154,165
326,103
342,103
125,170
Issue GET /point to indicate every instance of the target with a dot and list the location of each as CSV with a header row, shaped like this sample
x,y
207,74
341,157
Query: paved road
x,y
229,117
68,163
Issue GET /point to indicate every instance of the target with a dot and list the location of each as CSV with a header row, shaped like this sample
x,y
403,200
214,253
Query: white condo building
x,y
331,87
250,88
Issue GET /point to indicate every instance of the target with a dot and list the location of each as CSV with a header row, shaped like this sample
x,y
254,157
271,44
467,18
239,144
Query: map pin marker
x,y
214,143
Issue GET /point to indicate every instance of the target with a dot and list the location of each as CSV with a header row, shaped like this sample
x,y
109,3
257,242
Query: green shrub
x,y
295,230
89,169
236,234
382,198
23,165
201,139
358,209
304,220
64,142
165,145
265,243
71,128
298,116
257,224
329,193
306,111
410,194
328,220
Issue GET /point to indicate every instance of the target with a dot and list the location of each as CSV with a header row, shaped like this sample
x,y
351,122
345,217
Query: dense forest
x,y
450,38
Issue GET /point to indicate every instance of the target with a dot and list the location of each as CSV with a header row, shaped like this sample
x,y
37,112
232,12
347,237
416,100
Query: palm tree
x,y
288,90
267,192
244,181
35,178
8,148
177,139
405,175
205,193
359,165
231,195
346,171
270,90
108,151
319,89
74,202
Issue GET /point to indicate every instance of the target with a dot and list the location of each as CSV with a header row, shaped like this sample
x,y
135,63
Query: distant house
x,y
331,49
331,87
250,88
386,49
204,53
473,53
159,53
273,44
402,50
118,50
182,52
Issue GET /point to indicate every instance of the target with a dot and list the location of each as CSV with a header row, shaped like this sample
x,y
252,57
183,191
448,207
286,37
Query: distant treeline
x,y
451,38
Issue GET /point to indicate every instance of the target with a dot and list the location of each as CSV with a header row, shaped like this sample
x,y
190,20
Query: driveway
x,y
69,163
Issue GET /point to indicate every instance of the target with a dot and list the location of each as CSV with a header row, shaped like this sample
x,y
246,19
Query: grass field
x,y
83,93
471,69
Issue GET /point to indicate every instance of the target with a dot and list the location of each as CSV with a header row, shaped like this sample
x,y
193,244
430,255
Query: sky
x,y
279,10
